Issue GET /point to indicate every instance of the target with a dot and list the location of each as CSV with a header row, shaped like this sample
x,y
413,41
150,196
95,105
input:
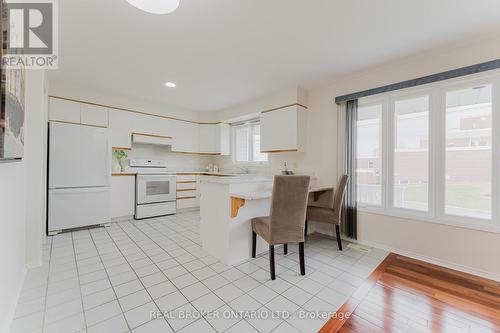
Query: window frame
x,y
437,153
250,162
382,131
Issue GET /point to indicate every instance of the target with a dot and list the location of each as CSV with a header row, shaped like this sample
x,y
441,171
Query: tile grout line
x,y
79,285
112,287
189,302
47,288
138,278
247,292
154,239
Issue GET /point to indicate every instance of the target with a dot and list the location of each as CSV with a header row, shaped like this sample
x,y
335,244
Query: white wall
x,y
22,205
470,250
12,237
175,162
35,150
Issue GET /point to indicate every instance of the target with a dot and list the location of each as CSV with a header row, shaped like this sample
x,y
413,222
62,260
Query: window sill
x,y
421,217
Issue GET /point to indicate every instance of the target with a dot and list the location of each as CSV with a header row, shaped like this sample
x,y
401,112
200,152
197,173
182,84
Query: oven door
x,y
155,188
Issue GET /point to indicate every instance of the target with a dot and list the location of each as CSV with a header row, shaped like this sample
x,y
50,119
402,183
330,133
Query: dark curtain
x,y
350,205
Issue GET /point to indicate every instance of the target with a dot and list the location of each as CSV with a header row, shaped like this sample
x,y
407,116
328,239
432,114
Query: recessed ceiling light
x,y
155,6
170,84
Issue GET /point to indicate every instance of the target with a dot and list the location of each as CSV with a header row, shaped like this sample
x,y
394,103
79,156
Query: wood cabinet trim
x,y
279,151
185,198
152,135
194,153
236,204
284,107
73,123
133,111
185,189
121,148
186,182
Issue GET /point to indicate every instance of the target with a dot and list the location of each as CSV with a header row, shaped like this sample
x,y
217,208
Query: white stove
x,y
155,189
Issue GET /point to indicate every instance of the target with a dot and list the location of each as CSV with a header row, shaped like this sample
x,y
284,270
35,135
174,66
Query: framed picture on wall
x,y
12,101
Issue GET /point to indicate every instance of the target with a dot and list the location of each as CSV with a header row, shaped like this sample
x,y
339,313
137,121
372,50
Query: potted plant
x,y
120,155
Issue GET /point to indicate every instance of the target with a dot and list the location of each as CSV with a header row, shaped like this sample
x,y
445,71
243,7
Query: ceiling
x,y
224,52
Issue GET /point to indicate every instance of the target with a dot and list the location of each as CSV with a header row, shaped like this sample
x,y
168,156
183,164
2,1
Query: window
x,y
246,142
411,153
432,152
368,160
468,170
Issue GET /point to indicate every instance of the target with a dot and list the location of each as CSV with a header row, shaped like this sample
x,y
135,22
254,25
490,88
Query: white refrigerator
x,y
79,176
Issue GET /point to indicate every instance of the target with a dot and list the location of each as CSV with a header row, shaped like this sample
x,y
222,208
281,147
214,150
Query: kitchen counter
x,y
267,193
227,205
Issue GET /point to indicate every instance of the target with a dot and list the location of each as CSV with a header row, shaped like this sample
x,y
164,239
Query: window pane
x,y
242,151
468,172
257,155
369,162
411,153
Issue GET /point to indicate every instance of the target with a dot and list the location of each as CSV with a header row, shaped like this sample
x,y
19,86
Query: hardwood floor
x,y
408,295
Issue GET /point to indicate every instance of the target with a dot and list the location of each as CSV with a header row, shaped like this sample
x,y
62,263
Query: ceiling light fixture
x,y
155,6
170,84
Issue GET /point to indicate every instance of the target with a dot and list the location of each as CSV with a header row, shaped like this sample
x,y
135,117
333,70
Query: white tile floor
x,y
110,279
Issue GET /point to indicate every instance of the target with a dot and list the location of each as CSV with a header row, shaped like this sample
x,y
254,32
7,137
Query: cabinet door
x,y
63,110
186,137
122,196
224,139
94,115
208,137
120,123
278,130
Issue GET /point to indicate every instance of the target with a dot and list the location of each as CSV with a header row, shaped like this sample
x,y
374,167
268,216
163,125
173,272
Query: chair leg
x,y
305,230
339,240
271,261
254,243
301,258
285,248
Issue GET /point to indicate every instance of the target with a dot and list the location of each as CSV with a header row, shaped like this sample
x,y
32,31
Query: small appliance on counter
x,y
155,189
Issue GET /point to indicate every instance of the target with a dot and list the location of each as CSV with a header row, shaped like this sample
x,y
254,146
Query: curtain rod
x,y
473,69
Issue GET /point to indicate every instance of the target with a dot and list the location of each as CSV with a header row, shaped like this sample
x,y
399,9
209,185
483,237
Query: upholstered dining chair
x,y
328,208
286,221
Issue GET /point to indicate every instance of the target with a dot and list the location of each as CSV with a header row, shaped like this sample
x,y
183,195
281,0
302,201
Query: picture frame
x,y
12,112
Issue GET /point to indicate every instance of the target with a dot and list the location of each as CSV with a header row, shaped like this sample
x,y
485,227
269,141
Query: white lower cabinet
x,y
187,191
122,196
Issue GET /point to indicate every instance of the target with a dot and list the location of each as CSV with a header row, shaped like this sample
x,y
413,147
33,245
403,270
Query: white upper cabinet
x,y
214,139
77,113
120,123
63,110
94,115
186,137
283,130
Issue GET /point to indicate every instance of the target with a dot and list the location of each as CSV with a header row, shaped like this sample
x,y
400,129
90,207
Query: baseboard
x,y
12,311
431,260
122,218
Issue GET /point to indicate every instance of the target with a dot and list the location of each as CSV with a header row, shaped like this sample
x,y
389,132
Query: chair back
x,y
288,209
339,195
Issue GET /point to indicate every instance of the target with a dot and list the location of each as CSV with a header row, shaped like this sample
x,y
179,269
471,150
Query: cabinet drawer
x,y
182,193
188,203
186,177
184,186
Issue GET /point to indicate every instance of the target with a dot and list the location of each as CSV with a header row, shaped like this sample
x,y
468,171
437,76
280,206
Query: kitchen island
x,y
227,205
